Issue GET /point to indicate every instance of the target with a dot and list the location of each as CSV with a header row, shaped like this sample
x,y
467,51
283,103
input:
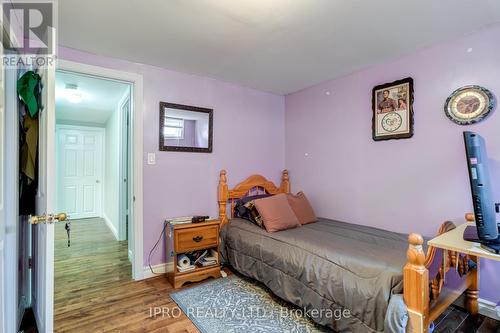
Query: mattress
x,y
328,266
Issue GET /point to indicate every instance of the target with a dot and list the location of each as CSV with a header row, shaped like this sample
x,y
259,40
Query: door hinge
x,y
30,262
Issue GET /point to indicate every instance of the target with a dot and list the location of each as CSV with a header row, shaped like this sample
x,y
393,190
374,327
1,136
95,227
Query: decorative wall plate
x,y
469,105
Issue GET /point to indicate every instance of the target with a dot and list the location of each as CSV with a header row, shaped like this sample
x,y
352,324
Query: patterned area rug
x,y
236,304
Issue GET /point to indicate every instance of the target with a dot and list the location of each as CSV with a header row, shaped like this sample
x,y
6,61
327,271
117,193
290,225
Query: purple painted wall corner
x,y
410,185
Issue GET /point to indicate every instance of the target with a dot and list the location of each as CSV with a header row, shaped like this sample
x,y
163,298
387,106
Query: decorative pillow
x,y
276,213
254,214
245,209
302,208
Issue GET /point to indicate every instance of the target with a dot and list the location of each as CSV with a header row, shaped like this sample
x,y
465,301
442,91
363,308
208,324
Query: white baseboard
x,y
488,309
110,226
158,269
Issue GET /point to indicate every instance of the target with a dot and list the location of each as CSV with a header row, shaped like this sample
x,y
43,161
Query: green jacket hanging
x,y
26,89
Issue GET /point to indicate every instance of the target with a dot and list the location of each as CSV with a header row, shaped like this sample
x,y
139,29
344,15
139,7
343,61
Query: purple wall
x,y
408,185
249,133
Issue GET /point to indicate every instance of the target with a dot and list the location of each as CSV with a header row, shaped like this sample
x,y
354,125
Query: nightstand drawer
x,y
190,239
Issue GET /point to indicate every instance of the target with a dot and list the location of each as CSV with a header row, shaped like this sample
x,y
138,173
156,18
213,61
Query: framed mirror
x,y
185,128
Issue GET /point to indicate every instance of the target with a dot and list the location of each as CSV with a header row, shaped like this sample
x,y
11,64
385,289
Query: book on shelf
x,y
196,256
179,220
203,258
186,219
212,256
186,269
204,262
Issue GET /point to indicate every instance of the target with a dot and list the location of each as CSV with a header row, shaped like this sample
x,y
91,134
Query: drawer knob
x,y
198,239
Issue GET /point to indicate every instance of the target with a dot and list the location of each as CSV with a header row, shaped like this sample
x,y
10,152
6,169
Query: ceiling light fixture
x,y
72,94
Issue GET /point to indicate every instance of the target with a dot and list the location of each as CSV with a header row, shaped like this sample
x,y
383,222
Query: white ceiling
x,y
100,98
279,46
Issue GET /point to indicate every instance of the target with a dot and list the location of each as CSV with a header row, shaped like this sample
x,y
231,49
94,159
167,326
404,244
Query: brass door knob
x,y
61,217
48,218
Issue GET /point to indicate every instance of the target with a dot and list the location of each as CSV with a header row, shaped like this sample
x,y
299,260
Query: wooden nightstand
x,y
191,237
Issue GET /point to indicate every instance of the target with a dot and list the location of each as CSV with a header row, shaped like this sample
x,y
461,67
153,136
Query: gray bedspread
x,y
328,266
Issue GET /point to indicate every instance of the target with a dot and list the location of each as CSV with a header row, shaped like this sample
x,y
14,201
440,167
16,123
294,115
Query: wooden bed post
x,y
416,286
285,181
223,196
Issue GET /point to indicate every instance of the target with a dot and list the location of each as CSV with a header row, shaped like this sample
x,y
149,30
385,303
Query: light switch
x,y
151,158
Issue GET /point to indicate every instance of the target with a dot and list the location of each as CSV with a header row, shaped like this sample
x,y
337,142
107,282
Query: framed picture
x,y
392,105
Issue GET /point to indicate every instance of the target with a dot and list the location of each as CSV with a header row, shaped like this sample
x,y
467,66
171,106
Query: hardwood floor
x,y
94,291
456,320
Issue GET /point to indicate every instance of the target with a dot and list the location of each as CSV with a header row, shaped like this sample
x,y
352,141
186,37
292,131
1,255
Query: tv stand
x,y
492,247
470,234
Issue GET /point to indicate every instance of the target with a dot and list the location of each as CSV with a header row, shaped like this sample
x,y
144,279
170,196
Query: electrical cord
x,y
154,248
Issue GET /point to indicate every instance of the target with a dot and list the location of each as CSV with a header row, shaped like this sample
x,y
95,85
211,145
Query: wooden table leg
x,y
471,301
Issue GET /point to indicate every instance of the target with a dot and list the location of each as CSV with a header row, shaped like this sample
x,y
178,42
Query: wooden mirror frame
x,y
164,147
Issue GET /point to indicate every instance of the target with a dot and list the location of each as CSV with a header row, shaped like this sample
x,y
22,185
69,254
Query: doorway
x,y
131,177
92,173
37,260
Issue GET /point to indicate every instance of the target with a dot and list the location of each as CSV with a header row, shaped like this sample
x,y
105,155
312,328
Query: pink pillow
x,y
276,213
302,208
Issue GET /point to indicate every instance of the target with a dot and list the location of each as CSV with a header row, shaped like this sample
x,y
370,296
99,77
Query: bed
x,y
380,278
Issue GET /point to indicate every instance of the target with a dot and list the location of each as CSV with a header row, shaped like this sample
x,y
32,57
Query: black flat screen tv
x,y
482,201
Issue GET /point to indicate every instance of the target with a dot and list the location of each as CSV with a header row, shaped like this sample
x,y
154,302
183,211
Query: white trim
x,y
488,309
11,254
110,225
137,149
3,191
158,269
123,187
79,123
130,256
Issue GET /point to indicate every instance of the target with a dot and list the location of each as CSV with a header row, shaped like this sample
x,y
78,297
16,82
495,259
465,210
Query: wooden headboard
x,y
252,183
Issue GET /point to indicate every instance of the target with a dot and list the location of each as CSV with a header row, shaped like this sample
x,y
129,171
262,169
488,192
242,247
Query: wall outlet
x,y
151,158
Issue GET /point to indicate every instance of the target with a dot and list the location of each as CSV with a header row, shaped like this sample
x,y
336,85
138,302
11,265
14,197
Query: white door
x,y
80,167
43,234
2,191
